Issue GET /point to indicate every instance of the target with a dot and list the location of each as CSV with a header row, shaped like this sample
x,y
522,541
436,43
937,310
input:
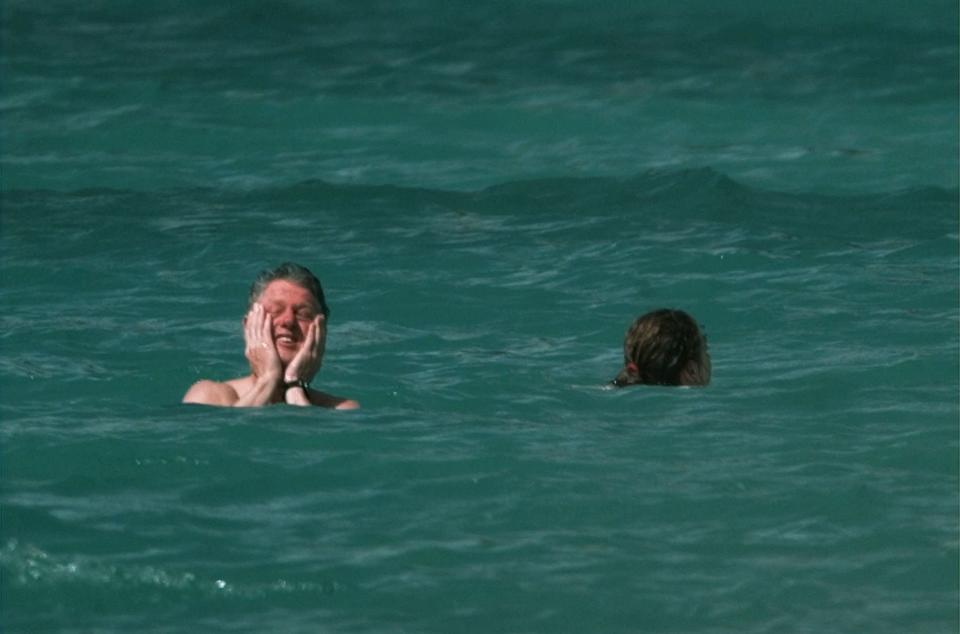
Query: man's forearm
x,y
263,388
296,395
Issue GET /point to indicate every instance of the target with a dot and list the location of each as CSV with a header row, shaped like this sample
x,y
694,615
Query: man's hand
x,y
260,351
309,357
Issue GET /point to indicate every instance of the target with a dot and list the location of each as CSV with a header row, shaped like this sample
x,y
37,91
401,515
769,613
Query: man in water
x,y
285,330
664,347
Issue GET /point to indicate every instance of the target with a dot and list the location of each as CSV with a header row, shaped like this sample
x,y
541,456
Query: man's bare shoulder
x,y
206,392
323,399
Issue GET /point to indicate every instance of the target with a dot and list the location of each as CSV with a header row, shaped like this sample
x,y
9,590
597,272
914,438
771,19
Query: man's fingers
x,y
266,326
253,321
310,343
317,339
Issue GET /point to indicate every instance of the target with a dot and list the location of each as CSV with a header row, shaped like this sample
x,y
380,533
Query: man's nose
x,y
284,318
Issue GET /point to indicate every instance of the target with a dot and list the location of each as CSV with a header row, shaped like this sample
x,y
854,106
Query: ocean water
x,y
490,192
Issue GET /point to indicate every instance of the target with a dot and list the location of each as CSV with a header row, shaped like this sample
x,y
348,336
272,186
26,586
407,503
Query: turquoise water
x,y
490,195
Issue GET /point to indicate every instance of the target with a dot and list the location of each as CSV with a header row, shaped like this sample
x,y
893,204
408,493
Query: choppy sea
x,y
490,192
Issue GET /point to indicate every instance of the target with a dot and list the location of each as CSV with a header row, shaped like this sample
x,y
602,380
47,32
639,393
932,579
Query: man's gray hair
x,y
291,272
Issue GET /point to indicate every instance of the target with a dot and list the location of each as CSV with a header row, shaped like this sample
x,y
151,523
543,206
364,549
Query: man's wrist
x,y
270,378
296,392
287,385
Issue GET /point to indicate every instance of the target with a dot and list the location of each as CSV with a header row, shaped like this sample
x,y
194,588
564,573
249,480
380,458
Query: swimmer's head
x,y
664,347
299,275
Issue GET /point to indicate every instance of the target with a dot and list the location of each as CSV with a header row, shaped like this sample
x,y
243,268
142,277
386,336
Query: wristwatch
x,y
297,383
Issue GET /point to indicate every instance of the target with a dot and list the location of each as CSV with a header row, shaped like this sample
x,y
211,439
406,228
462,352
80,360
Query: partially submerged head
x,y
295,274
664,347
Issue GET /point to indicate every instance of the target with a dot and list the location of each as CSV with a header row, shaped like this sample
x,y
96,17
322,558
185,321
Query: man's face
x,y
291,309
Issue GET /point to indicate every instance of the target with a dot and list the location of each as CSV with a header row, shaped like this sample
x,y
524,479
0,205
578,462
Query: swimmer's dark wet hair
x,y
291,272
664,347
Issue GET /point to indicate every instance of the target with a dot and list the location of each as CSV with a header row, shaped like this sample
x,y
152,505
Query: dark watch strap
x,y
298,383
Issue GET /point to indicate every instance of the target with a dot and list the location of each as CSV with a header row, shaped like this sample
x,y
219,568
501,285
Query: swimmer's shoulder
x,y
207,392
322,399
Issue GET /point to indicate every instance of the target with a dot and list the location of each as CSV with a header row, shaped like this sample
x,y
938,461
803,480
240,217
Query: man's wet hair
x,y
664,347
291,272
